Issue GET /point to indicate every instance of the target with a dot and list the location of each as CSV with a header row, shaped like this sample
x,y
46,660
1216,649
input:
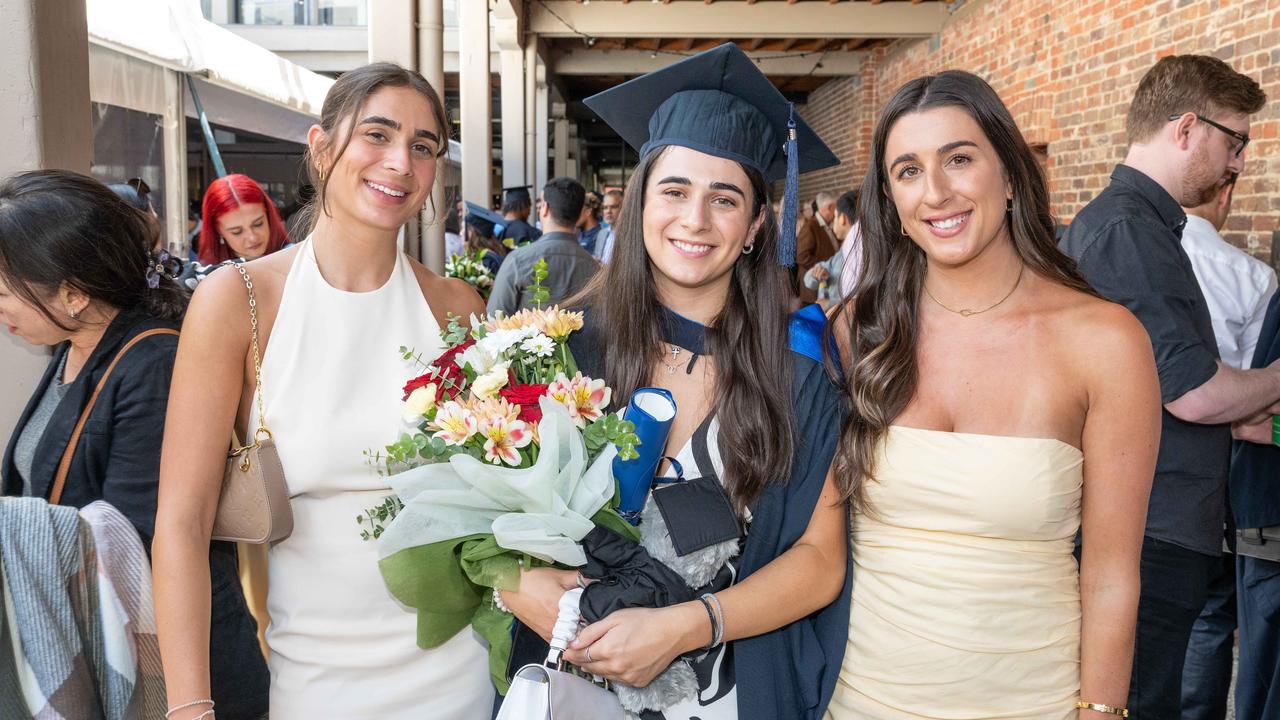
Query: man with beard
x,y
1187,126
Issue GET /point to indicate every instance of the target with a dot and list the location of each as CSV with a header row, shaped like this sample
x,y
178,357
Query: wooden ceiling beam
x,y
807,20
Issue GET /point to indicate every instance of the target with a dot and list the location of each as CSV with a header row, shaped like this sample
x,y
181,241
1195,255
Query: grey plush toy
x,y
678,682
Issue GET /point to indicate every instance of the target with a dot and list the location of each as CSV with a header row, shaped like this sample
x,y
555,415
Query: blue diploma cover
x,y
652,411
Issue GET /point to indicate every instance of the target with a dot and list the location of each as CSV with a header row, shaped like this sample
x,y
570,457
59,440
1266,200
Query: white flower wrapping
x,y
543,510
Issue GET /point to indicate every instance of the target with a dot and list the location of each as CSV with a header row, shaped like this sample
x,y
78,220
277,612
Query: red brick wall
x,y
1067,71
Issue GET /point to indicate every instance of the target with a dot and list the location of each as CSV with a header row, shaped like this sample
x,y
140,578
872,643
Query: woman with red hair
x,y
239,222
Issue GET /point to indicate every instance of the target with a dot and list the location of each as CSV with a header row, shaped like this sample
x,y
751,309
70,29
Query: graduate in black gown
x,y
483,228
696,300
516,205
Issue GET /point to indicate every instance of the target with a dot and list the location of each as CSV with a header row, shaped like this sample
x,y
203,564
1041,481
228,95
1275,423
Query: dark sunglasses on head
x,y
1240,137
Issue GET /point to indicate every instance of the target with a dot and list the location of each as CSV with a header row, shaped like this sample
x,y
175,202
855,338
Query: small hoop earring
x,y
1008,205
320,171
746,250
904,231
75,314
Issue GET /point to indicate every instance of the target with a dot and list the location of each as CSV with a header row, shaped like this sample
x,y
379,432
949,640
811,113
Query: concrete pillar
x,y
530,109
44,80
474,98
392,38
391,32
541,127
431,65
575,153
175,162
513,117
562,139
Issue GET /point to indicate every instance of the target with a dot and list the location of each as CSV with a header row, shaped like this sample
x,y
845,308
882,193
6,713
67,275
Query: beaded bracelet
x,y
497,601
193,703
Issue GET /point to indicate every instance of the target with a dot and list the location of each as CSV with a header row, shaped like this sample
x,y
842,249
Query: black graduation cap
x,y
718,102
484,219
517,194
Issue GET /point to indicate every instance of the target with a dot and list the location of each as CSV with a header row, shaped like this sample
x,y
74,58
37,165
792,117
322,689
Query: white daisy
x,y
539,345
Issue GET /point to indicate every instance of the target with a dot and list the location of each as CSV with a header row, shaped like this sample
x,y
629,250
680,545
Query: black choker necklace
x,y
680,333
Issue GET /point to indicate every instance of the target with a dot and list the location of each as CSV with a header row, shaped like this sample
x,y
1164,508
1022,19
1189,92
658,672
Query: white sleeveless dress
x,y
341,646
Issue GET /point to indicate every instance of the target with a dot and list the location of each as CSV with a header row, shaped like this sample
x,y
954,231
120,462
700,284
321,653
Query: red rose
x,y
451,380
446,358
447,372
526,396
420,382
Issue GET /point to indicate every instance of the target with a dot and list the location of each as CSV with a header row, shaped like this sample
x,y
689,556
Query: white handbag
x,y
543,692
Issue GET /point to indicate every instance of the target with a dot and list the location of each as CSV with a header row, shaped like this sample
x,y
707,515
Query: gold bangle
x,y
1108,709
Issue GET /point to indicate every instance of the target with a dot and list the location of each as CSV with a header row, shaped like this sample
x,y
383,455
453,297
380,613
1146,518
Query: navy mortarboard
x,y
517,196
483,219
718,102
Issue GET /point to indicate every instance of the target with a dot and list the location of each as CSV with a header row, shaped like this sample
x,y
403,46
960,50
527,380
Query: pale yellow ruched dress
x,y
966,597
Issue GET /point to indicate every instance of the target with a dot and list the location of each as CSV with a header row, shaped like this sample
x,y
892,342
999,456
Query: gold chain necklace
x,y
965,312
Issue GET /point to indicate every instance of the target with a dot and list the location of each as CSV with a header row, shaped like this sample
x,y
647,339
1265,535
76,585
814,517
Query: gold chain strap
x,y
257,365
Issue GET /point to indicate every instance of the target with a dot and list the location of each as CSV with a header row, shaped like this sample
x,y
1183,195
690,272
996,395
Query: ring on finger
x,y
588,654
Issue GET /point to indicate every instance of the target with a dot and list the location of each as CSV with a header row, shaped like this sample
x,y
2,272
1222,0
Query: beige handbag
x,y
254,504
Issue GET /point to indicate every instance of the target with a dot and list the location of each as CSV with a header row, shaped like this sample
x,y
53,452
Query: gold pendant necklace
x,y
966,312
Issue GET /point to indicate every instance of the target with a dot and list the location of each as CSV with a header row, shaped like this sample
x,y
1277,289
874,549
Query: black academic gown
x,y
789,673
520,232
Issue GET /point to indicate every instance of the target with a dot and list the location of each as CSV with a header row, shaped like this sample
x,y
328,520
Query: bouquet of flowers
x,y
469,266
509,463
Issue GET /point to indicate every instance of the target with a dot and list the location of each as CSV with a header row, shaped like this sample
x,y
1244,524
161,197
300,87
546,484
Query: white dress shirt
x,y
851,249
1236,285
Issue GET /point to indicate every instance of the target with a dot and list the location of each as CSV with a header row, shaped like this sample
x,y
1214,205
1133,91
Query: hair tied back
x,y
161,263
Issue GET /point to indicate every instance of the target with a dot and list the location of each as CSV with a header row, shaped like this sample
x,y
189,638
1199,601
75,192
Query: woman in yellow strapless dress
x,y
999,406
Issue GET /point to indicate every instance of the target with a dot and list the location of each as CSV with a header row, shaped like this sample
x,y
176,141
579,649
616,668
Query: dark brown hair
x,y
747,339
477,239
881,316
343,103
1199,84
58,226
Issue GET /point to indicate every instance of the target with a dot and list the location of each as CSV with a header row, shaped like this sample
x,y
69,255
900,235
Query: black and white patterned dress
x,y
717,688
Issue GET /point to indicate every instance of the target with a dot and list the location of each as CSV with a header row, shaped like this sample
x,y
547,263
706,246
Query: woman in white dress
x,y
331,313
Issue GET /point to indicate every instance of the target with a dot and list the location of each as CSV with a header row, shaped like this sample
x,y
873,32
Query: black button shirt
x,y
1128,243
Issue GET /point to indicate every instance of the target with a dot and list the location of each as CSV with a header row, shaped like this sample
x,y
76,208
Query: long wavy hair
x,y
881,316
747,339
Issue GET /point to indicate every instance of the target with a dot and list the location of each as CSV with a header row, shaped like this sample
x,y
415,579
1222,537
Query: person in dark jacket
x,y
77,272
1255,505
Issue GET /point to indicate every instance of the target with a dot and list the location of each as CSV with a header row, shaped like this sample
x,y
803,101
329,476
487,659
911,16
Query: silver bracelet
x,y
497,601
718,637
193,703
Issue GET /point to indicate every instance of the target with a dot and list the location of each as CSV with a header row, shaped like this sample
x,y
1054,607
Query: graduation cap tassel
x,y
790,195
